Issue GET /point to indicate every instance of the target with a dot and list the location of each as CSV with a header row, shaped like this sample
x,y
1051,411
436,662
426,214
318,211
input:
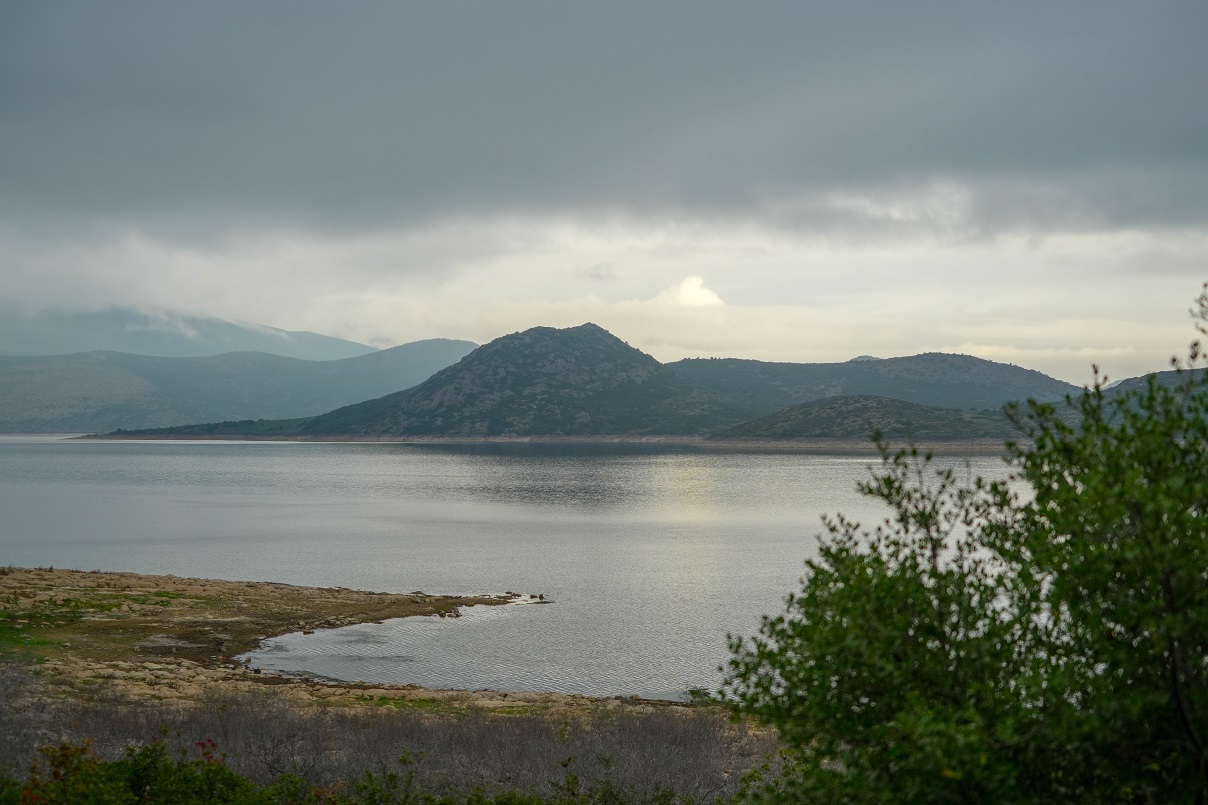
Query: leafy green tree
x,y
1043,639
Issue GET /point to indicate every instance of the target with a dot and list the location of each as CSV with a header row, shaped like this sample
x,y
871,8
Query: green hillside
x,y
858,417
939,379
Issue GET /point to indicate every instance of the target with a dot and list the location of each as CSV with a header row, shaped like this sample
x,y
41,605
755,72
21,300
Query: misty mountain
x,y
544,381
934,378
102,391
584,381
858,417
160,333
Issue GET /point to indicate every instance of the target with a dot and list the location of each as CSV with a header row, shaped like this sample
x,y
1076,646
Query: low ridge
x,y
934,378
860,416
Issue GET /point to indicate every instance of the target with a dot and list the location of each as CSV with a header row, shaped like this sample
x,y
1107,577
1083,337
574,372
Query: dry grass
x,y
695,751
124,659
122,616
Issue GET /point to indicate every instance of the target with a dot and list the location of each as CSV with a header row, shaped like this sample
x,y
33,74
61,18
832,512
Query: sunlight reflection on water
x,y
651,555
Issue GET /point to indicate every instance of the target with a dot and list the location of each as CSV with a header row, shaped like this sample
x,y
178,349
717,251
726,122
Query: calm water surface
x,y
651,555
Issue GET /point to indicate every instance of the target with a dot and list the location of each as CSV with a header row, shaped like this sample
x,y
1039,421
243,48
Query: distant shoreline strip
x,y
708,444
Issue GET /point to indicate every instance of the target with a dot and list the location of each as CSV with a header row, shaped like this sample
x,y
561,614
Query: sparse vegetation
x,y
671,754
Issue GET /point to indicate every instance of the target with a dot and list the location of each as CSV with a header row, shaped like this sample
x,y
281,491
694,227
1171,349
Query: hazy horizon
x,y
165,333
1026,183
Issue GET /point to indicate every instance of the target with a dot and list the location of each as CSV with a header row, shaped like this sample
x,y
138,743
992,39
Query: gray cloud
x,y
1026,181
196,119
600,272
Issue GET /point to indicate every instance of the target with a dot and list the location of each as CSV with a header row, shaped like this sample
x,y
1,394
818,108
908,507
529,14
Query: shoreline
x,y
704,444
174,639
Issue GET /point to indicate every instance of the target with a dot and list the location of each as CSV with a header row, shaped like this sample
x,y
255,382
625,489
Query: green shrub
x,y
69,774
983,645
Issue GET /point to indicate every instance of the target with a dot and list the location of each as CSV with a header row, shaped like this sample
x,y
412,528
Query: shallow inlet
x,y
496,648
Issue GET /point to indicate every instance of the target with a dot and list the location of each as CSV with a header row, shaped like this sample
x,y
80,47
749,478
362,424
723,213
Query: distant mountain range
x,y
102,391
162,333
584,381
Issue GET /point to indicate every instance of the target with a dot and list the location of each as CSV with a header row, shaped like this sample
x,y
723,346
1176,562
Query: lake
x,y
651,555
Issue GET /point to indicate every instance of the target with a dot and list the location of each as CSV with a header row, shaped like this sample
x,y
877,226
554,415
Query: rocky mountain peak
x,y
545,380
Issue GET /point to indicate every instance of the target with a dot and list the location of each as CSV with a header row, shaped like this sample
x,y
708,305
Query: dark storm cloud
x,y
212,115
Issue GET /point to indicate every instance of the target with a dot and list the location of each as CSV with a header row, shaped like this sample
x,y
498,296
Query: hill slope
x,y
162,333
102,391
858,417
940,379
1169,378
544,381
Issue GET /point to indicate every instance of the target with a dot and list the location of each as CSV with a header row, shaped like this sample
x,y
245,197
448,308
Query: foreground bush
x,y
983,646
71,775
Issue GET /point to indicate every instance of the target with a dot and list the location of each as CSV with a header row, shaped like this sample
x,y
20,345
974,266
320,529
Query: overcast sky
x,y
807,181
